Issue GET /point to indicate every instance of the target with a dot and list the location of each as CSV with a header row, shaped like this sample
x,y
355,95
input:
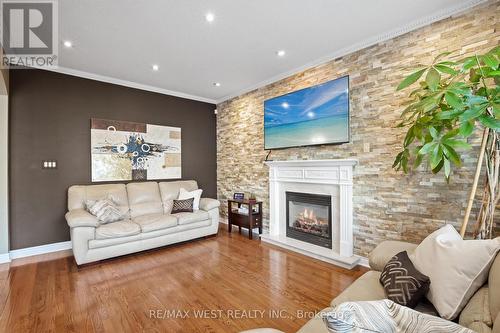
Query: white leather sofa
x,y
148,222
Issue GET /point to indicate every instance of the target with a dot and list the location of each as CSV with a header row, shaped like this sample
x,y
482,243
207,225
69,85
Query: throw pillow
x,y
402,282
457,268
196,195
385,316
105,210
183,206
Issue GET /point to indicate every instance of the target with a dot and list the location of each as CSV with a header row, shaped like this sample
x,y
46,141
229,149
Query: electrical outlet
x,y
49,164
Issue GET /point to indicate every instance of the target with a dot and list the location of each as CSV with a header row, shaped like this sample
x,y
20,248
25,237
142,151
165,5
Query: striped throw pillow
x,y
105,210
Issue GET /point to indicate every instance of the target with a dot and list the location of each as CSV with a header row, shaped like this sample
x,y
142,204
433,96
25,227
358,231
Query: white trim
x,y
333,177
363,261
42,249
322,254
441,15
125,83
4,258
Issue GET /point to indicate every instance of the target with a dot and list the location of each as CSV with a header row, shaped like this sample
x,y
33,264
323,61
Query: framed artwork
x,y
123,150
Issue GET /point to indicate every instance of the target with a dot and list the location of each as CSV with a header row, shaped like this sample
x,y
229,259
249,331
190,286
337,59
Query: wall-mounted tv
x,y
313,116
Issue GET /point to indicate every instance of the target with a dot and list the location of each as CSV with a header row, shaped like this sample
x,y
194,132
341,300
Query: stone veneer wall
x,y
387,204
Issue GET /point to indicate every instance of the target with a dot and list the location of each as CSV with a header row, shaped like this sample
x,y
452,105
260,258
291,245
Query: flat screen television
x,y
312,116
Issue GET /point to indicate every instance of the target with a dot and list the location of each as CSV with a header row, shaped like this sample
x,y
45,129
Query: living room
x,y
237,166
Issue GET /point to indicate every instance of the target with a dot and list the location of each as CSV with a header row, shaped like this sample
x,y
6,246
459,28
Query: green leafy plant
x,y
451,100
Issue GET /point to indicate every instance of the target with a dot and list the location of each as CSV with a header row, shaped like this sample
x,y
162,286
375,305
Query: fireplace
x,y
309,218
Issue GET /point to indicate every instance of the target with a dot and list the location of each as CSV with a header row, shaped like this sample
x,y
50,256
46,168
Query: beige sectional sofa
x,y
481,314
148,223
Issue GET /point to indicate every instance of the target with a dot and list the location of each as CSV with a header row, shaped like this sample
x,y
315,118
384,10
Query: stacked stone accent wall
x,y
387,204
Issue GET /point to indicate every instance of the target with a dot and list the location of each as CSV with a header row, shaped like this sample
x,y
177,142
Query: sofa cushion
x,y
478,309
366,288
79,194
170,191
494,289
496,325
153,222
386,250
186,218
479,327
117,229
458,268
100,243
144,199
316,324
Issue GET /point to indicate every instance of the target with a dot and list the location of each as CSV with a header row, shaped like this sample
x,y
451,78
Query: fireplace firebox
x,y
309,218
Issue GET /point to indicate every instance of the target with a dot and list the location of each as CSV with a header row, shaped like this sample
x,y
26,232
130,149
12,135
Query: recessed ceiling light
x,y
68,44
216,84
156,68
281,53
210,17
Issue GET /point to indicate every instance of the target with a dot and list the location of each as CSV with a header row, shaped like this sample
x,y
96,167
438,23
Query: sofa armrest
x,y
81,218
207,204
385,251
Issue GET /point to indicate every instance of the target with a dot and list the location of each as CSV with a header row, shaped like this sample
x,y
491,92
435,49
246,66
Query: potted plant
x,y
452,100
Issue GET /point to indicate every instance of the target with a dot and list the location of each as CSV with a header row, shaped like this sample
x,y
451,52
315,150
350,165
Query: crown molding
x,y
130,84
414,25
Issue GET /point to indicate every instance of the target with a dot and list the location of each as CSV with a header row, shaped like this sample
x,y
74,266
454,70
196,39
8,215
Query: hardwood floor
x,y
246,284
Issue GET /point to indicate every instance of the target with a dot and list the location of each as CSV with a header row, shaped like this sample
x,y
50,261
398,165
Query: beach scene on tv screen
x,y
311,116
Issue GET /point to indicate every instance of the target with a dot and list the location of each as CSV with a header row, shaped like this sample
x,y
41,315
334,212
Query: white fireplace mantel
x,y
330,177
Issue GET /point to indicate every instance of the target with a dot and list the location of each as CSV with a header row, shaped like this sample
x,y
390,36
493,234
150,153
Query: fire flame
x,y
309,214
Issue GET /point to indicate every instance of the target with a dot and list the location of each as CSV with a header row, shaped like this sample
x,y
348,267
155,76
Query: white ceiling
x,y
119,40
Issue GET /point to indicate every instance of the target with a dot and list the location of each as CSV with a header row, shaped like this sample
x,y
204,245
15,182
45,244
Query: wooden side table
x,y
251,220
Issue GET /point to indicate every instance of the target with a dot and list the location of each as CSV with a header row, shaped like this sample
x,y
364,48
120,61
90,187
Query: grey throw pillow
x,y
105,210
183,206
402,282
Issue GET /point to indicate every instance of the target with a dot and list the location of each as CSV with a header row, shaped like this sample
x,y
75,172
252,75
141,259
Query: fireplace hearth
x,y
309,218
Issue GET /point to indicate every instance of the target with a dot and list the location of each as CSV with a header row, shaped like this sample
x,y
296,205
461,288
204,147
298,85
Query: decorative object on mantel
x,y
123,150
452,100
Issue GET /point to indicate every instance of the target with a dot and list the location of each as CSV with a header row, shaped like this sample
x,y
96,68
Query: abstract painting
x,y
123,150
312,116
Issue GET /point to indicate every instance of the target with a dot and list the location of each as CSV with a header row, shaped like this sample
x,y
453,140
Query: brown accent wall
x,y
50,119
387,204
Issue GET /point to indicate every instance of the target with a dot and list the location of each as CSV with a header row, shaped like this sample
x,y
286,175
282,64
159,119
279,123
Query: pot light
x,y
216,84
281,53
210,17
68,44
156,68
